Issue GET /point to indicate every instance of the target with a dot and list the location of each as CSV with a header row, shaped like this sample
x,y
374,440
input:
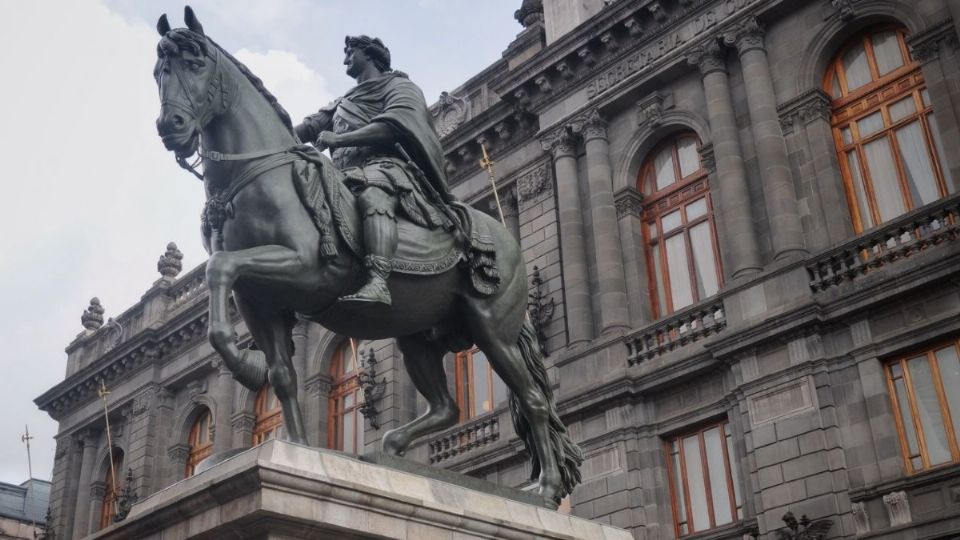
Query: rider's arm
x,y
372,134
313,125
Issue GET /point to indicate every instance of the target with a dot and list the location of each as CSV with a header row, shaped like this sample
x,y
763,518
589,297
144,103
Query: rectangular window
x,y
703,479
926,404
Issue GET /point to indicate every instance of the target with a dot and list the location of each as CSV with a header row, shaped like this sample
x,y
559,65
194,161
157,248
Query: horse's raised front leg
x,y
277,264
424,363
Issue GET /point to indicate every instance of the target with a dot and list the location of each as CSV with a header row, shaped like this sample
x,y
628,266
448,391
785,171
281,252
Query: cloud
x,y
298,88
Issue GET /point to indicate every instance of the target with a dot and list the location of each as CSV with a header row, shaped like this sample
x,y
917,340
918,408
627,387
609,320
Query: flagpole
x,y
103,393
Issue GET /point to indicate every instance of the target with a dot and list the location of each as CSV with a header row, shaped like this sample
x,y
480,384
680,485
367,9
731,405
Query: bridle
x,y
219,100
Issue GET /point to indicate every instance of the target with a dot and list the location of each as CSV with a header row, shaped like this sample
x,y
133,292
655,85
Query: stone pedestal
x,y
283,490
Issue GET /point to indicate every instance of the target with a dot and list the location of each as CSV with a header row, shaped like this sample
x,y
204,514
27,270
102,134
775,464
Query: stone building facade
x,y
742,216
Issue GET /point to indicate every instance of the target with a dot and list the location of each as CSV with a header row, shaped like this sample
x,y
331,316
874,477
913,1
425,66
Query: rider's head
x,y
372,50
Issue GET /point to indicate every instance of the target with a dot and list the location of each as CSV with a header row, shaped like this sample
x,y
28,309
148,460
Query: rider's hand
x,y
328,139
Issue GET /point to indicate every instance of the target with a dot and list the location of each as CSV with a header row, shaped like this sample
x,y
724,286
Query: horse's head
x,y
191,84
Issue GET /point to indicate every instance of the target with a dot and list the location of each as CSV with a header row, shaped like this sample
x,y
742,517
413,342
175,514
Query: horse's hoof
x,y
393,444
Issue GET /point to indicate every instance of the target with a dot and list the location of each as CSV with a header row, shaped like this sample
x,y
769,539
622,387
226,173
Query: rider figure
x,y
381,136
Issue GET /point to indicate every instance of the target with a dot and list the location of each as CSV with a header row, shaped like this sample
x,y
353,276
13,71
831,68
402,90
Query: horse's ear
x,y
191,20
163,26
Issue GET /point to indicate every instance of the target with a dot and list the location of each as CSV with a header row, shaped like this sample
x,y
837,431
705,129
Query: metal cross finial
x,y
102,392
487,164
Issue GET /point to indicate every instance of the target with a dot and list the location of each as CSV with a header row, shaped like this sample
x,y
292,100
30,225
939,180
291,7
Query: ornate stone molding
x,y
807,107
451,111
746,36
709,57
860,517
532,183
629,202
178,453
88,437
842,8
927,45
61,450
898,508
633,26
658,12
650,110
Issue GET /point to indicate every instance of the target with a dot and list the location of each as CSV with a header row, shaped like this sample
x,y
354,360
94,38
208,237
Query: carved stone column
x,y
223,427
628,204
576,283
511,212
88,439
786,231
738,237
606,233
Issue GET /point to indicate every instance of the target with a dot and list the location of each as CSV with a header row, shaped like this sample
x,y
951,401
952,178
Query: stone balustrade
x,y
679,329
465,438
898,239
188,288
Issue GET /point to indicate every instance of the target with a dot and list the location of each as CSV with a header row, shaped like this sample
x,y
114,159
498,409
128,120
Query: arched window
x,y
199,441
682,255
346,423
108,508
479,388
884,129
268,416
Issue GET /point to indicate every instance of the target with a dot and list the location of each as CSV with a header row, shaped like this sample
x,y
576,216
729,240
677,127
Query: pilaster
x,y
629,205
88,439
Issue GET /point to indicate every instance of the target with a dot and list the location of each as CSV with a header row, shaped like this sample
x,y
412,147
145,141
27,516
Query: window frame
x,y
733,493
465,376
267,420
107,506
953,438
200,448
877,96
684,191
344,383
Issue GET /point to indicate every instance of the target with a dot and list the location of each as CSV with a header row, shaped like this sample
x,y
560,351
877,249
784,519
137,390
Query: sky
x,y
89,196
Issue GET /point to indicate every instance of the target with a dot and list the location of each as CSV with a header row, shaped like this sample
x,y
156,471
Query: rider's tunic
x,y
394,100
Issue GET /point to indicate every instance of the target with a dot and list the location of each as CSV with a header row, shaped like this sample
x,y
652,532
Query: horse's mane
x,y
178,38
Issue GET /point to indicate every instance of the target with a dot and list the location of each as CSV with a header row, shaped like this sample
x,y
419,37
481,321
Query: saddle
x,y
421,250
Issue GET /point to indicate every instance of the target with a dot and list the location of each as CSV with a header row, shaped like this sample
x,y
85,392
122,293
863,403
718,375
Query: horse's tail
x,y
568,454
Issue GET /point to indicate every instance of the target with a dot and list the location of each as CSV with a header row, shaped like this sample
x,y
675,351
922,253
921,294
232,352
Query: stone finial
x,y
92,317
530,12
171,262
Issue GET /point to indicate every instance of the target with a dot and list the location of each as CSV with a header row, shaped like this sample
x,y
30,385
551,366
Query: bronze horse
x,y
267,252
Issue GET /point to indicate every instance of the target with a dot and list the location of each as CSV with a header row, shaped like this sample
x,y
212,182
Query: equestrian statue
x,y
370,244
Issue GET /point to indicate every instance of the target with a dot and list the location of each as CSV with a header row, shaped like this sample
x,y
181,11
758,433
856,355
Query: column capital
x,y
243,421
561,142
746,36
708,158
927,44
709,57
591,125
88,437
98,489
629,202
178,452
